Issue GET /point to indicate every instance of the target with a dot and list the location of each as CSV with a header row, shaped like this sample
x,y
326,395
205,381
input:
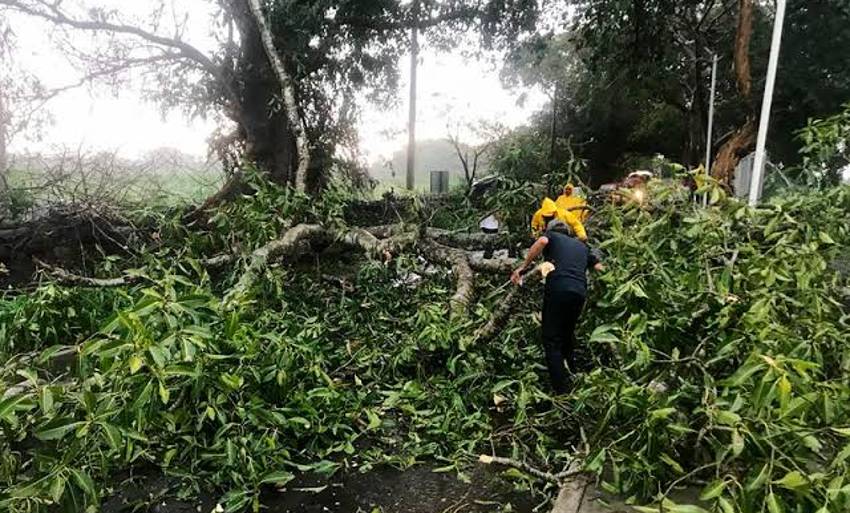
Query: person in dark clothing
x,y
564,295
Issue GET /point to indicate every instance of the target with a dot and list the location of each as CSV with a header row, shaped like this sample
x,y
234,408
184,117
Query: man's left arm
x,y
594,259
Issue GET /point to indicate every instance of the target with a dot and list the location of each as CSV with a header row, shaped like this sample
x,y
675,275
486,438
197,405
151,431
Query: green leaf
x,y
743,374
686,508
12,404
596,463
164,393
842,455
661,413
57,428
712,490
737,443
46,400
792,480
760,479
374,420
672,463
231,381
57,488
728,418
725,505
602,334
783,386
84,482
773,504
158,355
279,478
135,363
112,435
825,238
144,397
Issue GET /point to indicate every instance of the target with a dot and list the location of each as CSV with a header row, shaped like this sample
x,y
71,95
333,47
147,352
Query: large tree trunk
x,y
287,89
742,142
269,139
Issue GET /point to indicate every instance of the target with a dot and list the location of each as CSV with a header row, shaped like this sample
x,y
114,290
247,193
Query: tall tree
x,y
661,46
332,50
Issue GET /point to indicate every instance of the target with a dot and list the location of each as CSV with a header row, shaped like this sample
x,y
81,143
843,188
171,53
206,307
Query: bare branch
x,y
68,278
53,13
519,465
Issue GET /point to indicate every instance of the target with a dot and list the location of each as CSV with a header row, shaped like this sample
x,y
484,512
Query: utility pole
x,y
757,179
710,131
411,124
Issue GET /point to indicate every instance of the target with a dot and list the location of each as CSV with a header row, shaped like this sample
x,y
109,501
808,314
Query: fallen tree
x,y
692,368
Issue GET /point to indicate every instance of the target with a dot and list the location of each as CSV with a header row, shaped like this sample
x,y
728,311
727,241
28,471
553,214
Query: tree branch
x,y
67,278
52,13
461,269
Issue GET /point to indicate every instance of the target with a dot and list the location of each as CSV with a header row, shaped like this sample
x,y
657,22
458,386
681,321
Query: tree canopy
x,y
633,76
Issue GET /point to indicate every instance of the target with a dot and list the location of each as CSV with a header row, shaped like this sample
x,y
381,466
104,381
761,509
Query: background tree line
x,y
625,77
632,77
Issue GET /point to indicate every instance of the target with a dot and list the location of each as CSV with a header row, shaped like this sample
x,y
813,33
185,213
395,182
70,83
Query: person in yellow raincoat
x,y
549,211
573,204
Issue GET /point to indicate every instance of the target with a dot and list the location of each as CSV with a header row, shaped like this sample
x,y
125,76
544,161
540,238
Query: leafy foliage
x,y
630,76
826,149
728,354
714,351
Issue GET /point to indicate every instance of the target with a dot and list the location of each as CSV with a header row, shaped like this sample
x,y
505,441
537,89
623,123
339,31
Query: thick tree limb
x,y
293,242
743,37
288,90
572,482
504,310
492,265
469,240
465,288
269,253
370,244
459,262
571,495
218,260
733,151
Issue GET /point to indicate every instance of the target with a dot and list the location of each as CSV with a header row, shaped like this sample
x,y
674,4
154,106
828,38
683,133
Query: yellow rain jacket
x,y
573,204
549,209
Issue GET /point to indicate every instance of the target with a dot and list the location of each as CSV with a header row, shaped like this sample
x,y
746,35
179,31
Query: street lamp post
x,y
757,179
710,131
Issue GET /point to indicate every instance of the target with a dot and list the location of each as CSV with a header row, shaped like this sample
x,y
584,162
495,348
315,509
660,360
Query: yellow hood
x,y
548,208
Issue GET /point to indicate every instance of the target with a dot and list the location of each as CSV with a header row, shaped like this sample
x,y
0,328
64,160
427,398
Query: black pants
x,y
561,311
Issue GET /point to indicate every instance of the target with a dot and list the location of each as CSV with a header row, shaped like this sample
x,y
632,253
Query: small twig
x,y
520,465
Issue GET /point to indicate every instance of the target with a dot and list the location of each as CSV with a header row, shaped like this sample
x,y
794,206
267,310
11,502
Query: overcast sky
x,y
451,89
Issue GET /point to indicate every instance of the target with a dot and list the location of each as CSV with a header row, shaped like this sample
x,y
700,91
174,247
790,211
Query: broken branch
x,y
67,278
